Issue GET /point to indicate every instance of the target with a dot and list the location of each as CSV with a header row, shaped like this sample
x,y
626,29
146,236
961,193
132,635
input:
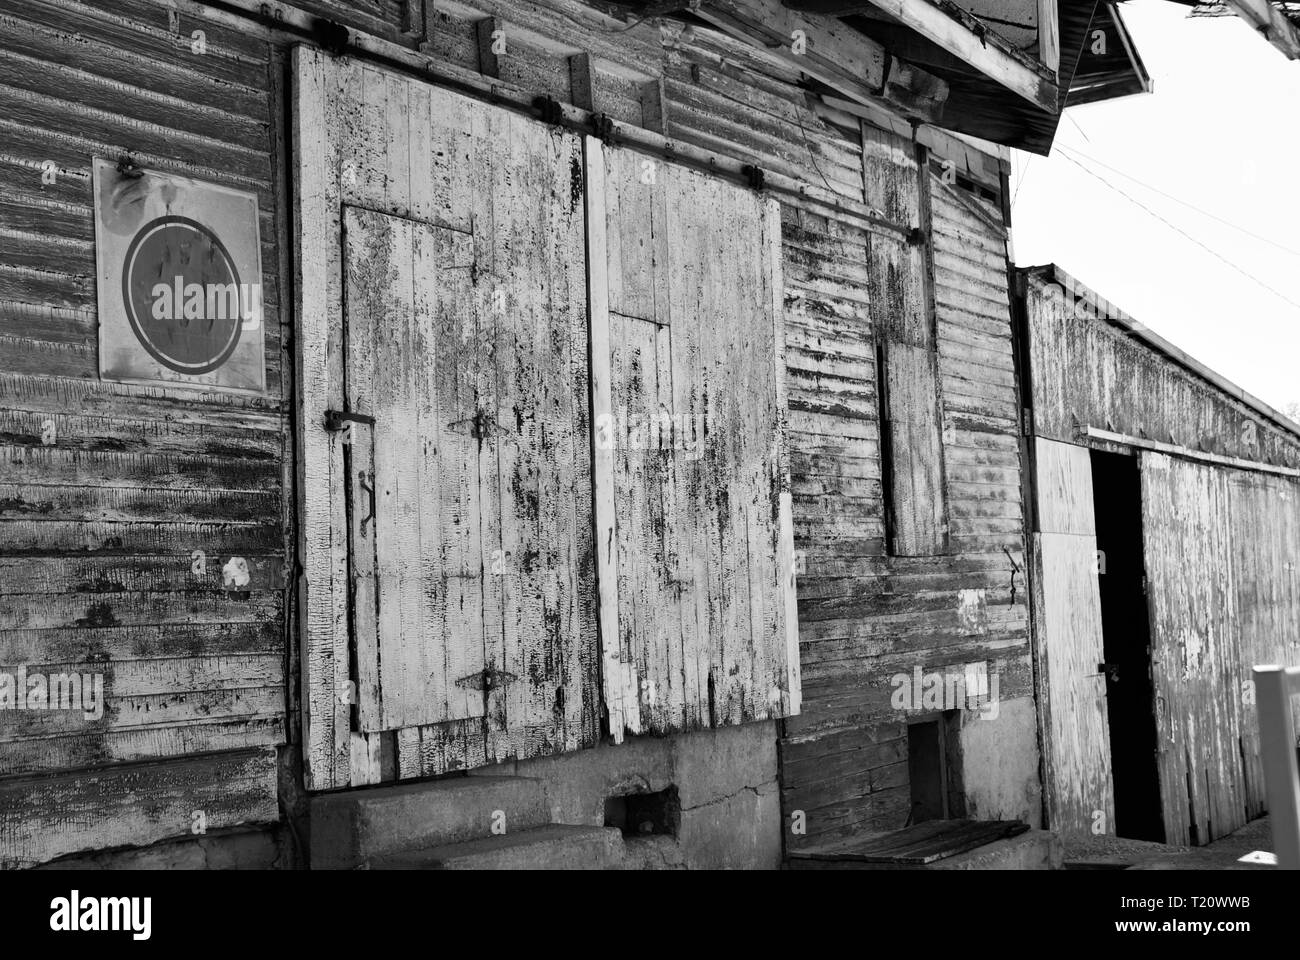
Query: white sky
x,y
1221,131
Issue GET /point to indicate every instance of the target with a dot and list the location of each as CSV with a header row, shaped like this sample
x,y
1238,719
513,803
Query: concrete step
x,y
553,847
349,829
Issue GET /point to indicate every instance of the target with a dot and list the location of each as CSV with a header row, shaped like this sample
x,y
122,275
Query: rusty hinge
x,y
489,678
480,426
336,420
1027,417
550,110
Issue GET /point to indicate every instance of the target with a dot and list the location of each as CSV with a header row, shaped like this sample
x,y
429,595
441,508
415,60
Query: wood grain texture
x,y
122,506
42,818
1068,599
865,617
465,337
696,425
1195,648
1265,523
1090,373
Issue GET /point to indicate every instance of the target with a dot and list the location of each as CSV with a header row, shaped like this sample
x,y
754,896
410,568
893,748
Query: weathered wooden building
x,y
1167,510
627,430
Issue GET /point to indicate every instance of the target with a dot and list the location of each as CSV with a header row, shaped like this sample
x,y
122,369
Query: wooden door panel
x,y
445,239
694,536
1068,601
417,603
1196,660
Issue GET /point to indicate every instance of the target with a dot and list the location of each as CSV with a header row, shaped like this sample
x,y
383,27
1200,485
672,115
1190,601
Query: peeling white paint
x,y
235,573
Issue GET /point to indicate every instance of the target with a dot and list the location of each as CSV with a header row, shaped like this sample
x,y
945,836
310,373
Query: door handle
x,y
370,489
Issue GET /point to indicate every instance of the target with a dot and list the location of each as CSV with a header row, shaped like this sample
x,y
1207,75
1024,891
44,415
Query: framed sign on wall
x,y
180,281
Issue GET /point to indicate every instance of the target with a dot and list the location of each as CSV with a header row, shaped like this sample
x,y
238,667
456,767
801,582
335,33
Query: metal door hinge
x,y
1027,417
336,420
488,679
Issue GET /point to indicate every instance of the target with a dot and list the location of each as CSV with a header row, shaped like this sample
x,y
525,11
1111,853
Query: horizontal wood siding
x,y
109,492
866,618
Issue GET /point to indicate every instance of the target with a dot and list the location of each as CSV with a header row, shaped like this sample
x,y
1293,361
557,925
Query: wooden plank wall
x,y
1195,652
863,618
1264,515
109,493
1087,372
124,78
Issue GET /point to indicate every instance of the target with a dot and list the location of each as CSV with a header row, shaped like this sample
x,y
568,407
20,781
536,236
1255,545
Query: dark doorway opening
x,y
934,767
1126,640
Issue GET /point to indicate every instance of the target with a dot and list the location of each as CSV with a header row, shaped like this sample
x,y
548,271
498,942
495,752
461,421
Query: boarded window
x,y
902,312
694,531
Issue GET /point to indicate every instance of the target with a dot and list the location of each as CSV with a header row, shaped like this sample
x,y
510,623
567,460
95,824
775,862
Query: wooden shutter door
x,y
694,530
411,361
1068,601
1195,653
448,547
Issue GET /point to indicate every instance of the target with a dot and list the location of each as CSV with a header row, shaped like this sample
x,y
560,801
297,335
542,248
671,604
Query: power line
x,y
1024,172
1214,253
1190,206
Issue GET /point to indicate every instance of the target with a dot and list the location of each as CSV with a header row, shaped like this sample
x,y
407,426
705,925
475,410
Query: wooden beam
x,y
1187,453
603,438
828,49
1049,36
486,33
1272,23
959,33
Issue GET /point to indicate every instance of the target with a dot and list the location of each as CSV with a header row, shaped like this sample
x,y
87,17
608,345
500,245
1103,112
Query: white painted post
x,y
1274,688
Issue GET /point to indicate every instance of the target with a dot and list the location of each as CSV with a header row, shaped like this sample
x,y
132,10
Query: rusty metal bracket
x,y
551,110
487,679
336,420
602,128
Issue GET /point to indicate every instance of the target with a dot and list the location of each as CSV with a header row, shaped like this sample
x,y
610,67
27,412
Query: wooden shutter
x,y
442,279
1067,599
907,357
1196,663
693,510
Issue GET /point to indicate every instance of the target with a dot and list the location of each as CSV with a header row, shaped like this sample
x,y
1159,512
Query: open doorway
x,y
1126,640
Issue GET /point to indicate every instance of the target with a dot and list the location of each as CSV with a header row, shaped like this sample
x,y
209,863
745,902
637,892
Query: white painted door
x,y
449,589
1077,740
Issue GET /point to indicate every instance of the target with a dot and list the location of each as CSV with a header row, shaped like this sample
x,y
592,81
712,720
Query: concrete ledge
x,y
554,847
348,829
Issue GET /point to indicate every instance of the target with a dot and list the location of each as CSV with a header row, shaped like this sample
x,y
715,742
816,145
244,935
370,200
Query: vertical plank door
x,y
693,509
448,545
1196,663
1077,741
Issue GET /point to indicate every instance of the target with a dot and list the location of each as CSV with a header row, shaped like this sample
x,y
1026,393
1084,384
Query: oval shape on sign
x,y
183,295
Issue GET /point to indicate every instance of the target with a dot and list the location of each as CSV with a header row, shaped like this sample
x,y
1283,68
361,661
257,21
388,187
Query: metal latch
x,y
336,420
488,679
